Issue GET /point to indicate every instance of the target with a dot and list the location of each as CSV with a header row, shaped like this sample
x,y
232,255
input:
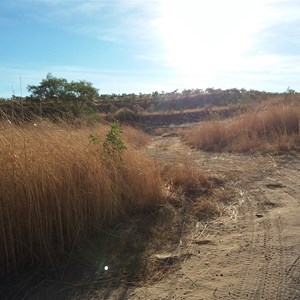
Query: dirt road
x,y
253,250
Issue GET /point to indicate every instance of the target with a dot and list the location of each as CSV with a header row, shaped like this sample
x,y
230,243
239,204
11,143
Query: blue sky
x,y
148,45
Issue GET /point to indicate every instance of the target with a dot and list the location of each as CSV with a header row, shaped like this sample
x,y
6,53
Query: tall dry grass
x,y
267,129
57,188
136,138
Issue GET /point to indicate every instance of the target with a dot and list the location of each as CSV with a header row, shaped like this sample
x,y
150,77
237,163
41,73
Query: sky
x,y
132,46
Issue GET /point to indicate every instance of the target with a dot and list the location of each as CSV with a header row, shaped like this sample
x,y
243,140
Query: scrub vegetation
x,y
58,186
272,126
72,171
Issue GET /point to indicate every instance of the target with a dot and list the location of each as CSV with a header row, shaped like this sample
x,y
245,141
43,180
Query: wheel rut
x,y
270,269
272,262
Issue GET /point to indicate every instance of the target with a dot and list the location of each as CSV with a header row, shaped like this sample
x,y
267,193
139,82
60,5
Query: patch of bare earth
x,y
253,250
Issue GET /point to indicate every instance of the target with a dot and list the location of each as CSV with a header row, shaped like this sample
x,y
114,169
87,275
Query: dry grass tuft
x,y
210,137
188,179
137,138
197,190
268,129
205,210
159,131
57,188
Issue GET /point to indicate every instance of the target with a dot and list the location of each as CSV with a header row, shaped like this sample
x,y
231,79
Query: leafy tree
x,y
187,92
155,95
290,91
73,95
79,93
51,88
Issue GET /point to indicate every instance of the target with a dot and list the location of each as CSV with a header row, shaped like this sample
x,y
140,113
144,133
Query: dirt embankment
x,y
163,119
155,120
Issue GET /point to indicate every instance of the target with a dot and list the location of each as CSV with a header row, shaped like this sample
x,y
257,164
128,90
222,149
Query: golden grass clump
x,y
210,136
269,129
57,187
191,187
190,180
136,138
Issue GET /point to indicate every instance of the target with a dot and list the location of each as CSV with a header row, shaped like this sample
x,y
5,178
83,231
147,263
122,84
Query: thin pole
x,y
12,104
22,108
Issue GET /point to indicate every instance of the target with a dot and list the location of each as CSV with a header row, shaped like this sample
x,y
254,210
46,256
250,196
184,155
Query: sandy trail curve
x,y
253,251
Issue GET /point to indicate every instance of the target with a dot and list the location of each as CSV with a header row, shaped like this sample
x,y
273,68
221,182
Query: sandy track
x,y
254,250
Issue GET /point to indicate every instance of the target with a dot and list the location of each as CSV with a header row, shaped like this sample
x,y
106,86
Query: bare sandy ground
x,y
253,250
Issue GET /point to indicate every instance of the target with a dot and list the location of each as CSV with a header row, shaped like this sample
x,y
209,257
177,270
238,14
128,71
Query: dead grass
x,y
195,190
187,178
137,138
266,129
57,188
159,131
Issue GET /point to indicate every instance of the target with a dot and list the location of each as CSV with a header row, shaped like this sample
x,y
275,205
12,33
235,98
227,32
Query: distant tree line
x,y
55,95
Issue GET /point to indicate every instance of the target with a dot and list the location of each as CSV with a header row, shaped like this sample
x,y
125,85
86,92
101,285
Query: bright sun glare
x,y
203,37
